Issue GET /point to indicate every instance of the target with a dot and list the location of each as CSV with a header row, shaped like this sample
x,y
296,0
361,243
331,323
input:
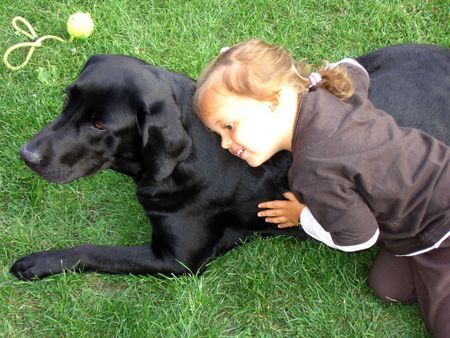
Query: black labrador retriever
x,y
126,115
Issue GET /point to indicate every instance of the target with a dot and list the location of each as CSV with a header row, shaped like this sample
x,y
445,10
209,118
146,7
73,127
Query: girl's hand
x,y
285,213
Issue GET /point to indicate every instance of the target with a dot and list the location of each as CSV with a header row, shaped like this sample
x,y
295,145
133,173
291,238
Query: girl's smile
x,y
237,151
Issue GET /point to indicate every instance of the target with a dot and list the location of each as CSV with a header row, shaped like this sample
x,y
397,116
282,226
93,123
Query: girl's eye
x,y
98,125
228,126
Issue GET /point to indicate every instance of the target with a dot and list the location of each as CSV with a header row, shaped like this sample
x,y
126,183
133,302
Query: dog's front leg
x,y
111,259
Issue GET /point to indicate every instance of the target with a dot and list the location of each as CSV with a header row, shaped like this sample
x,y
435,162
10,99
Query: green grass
x,y
268,287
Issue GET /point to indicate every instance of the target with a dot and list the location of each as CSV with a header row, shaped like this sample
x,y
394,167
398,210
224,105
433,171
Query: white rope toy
x,y
31,34
79,26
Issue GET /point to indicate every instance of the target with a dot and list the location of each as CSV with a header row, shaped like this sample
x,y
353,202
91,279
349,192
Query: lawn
x,y
268,287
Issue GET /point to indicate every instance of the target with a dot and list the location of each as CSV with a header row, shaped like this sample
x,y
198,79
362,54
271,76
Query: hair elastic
x,y
314,79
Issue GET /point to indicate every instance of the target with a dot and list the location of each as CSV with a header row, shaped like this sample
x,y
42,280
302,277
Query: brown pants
x,y
423,278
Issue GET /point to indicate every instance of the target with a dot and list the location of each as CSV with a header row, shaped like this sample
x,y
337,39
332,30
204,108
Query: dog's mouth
x,y
56,175
59,173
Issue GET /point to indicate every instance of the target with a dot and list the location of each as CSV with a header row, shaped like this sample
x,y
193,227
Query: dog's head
x,y
120,113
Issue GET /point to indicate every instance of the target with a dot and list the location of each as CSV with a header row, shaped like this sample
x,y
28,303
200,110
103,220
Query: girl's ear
x,y
273,105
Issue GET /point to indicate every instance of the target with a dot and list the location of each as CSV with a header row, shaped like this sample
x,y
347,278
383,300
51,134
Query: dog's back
x,y
412,83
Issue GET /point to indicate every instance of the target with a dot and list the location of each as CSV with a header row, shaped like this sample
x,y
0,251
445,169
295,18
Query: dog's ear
x,y
165,142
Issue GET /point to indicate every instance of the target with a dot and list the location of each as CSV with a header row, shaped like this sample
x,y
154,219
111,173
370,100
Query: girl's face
x,y
247,127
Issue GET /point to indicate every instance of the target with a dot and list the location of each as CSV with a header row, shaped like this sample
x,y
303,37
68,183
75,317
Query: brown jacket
x,y
357,171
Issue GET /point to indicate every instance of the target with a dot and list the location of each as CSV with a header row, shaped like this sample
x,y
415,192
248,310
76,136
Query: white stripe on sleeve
x,y
316,231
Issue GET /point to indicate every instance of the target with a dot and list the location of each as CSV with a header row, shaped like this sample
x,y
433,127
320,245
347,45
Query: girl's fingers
x,y
271,204
290,196
270,213
286,225
277,220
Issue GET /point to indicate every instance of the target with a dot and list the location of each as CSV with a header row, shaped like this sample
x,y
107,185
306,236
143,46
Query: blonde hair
x,y
257,70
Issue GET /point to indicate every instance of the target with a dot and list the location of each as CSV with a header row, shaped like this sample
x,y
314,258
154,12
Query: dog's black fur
x,y
137,119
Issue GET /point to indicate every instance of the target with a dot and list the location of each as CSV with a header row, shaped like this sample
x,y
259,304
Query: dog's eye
x,y
98,125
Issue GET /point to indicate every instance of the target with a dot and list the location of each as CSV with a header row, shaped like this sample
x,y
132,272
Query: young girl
x,y
364,178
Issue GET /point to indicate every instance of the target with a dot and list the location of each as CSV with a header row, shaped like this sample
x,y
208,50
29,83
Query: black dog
x,y
126,115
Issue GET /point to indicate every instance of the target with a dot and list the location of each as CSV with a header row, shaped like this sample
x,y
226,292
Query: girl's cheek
x,y
236,136
244,136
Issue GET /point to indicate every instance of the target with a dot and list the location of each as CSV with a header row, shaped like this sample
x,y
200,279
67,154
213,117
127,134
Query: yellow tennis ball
x,y
80,25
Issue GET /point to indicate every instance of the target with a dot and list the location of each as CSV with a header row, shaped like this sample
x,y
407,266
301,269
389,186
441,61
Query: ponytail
x,y
337,82
333,79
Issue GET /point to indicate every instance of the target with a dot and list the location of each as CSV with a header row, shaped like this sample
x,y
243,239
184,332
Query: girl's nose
x,y
226,142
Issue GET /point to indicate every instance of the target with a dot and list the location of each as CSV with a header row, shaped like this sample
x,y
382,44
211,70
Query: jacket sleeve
x,y
314,229
357,73
341,218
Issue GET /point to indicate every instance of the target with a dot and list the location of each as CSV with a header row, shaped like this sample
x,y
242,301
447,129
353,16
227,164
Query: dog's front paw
x,y
40,265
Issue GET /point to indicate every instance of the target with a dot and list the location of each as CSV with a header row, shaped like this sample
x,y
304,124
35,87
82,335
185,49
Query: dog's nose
x,y
30,157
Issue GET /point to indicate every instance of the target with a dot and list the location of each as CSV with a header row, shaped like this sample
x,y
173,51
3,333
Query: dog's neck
x,y
134,169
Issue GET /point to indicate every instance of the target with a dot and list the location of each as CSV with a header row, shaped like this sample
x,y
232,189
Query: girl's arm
x,y
286,213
